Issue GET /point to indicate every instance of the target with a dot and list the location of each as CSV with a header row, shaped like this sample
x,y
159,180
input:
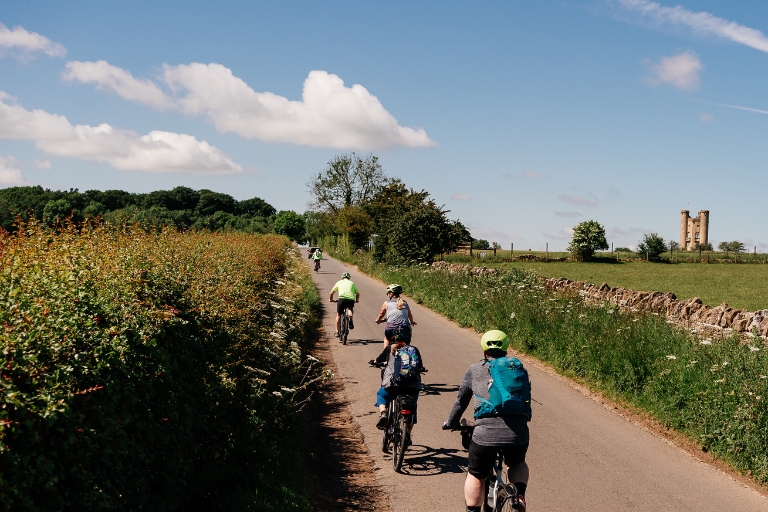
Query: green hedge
x,y
150,371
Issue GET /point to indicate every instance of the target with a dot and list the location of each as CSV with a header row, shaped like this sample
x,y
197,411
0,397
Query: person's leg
x,y
382,398
519,473
473,491
338,323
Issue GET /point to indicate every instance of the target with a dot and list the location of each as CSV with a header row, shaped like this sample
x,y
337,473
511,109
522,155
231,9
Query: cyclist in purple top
x,y
397,313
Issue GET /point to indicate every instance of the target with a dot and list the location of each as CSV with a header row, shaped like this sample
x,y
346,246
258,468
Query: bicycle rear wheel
x,y
398,444
344,328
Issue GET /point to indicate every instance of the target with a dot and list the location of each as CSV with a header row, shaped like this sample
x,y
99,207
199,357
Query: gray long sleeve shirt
x,y
490,431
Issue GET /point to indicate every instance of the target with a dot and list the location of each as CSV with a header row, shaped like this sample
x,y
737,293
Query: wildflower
x,y
754,349
611,311
671,358
764,376
277,393
725,363
464,286
705,342
512,315
720,381
582,315
693,363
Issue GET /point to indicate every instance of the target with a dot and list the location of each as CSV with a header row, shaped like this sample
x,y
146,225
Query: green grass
x,y
714,391
741,286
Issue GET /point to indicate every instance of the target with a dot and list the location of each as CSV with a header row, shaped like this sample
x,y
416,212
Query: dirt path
x,y
583,456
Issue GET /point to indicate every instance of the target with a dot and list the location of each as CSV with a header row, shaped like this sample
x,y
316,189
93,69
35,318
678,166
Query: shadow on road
x,y
439,389
423,460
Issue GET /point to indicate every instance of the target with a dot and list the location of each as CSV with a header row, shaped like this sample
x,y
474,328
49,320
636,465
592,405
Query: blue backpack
x,y
509,389
406,366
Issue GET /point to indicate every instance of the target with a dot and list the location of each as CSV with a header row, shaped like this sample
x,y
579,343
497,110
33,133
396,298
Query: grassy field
x,y
713,390
741,286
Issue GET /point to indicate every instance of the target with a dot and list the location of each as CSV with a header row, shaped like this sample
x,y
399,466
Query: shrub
x,y
148,371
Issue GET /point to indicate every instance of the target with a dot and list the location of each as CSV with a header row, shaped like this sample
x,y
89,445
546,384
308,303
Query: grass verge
x,y
713,390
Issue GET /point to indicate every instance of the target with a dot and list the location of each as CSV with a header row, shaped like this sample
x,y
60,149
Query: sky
x,y
522,118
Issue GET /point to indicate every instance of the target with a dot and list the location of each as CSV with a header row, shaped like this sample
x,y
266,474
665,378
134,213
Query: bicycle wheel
x,y
398,446
344,328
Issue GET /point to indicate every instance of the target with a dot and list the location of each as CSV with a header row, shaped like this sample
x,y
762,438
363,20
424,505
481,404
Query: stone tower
x,y
693,230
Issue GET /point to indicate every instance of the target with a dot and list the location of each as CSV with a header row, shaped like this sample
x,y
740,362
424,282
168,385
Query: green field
x,y
741,286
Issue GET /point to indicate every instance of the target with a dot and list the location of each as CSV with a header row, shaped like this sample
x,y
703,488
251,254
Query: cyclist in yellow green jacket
x,y
348,296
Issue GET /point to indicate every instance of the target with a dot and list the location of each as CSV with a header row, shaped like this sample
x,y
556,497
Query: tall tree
x,y
651,246
348,180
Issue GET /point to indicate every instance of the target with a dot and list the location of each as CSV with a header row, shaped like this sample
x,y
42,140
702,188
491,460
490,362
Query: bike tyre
x,y
385,442
344,329
402,438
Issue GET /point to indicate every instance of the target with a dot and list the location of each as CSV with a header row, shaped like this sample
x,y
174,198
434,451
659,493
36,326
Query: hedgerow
x,y
150,371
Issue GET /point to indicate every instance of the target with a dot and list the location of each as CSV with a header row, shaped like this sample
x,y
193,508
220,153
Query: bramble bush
x,y
715,390
150,370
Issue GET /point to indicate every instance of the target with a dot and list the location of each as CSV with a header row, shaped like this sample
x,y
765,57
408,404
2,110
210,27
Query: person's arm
x,y
382,313
462,400
357,297
410,316
333,290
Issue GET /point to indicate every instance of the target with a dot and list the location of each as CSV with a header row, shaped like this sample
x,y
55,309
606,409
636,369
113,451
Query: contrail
x,y
737,107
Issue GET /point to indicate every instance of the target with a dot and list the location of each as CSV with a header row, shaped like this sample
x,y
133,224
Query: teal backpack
x,y
509,389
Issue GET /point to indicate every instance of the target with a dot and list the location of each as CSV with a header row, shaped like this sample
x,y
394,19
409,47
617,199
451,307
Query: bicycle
x,y
500,495
401,412
317,265
344,326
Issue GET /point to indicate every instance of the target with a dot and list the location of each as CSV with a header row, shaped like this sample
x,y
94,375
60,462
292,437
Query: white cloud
x,y
328,115
531,174
42,164
706,117
461,197
566,233
737,107
568,214
702,23
591,200
10,174
680,70
157,151
120,81
23,44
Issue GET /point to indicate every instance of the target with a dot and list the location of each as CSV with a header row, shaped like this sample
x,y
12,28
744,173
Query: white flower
x,y
610,311
720,381
582,315
705,342
764,376
671,358
512,315
725,363
754,349
464,286
693,363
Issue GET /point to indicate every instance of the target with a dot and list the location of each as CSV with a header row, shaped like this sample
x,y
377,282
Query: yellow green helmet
x,y
494,339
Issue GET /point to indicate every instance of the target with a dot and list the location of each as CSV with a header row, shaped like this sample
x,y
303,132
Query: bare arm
x,y
357,297
382,313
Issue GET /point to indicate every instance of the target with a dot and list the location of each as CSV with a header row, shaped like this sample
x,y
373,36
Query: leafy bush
x,y
651,246
588,237
149,371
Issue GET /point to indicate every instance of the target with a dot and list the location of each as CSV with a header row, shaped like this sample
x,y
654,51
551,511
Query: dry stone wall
x,y
688,312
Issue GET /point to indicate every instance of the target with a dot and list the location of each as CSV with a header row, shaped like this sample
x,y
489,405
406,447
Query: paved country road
x,y
582,456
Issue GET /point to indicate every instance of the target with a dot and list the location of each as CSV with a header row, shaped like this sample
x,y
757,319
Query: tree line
x,y
181,207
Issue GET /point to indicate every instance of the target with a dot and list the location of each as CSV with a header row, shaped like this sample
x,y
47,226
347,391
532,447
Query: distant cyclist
x,y
397,313
493,433
316,257
348,296
391,383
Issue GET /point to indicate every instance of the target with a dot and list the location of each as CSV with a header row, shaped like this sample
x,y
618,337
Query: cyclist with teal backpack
x,y
502,409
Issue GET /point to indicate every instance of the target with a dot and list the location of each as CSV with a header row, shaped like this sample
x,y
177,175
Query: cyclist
x,y
348,296
401,337
396,311
316,257
506,434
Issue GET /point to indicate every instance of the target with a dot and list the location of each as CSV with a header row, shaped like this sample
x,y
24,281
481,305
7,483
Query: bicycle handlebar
x,y
373,364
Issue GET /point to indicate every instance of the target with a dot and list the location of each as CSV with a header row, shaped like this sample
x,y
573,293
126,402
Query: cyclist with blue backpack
x,y
401,375
502,409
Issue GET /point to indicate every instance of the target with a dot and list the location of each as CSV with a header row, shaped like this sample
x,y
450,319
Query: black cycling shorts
x,y
343,304
481,458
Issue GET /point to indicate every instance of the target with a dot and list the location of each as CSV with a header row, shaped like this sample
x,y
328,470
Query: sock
x,y
520,486
474,509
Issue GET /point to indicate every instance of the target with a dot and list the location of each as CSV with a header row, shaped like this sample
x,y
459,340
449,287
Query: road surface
x,y
582,456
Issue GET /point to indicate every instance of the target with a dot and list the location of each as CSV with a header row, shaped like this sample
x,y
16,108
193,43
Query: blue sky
x,y
523,118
